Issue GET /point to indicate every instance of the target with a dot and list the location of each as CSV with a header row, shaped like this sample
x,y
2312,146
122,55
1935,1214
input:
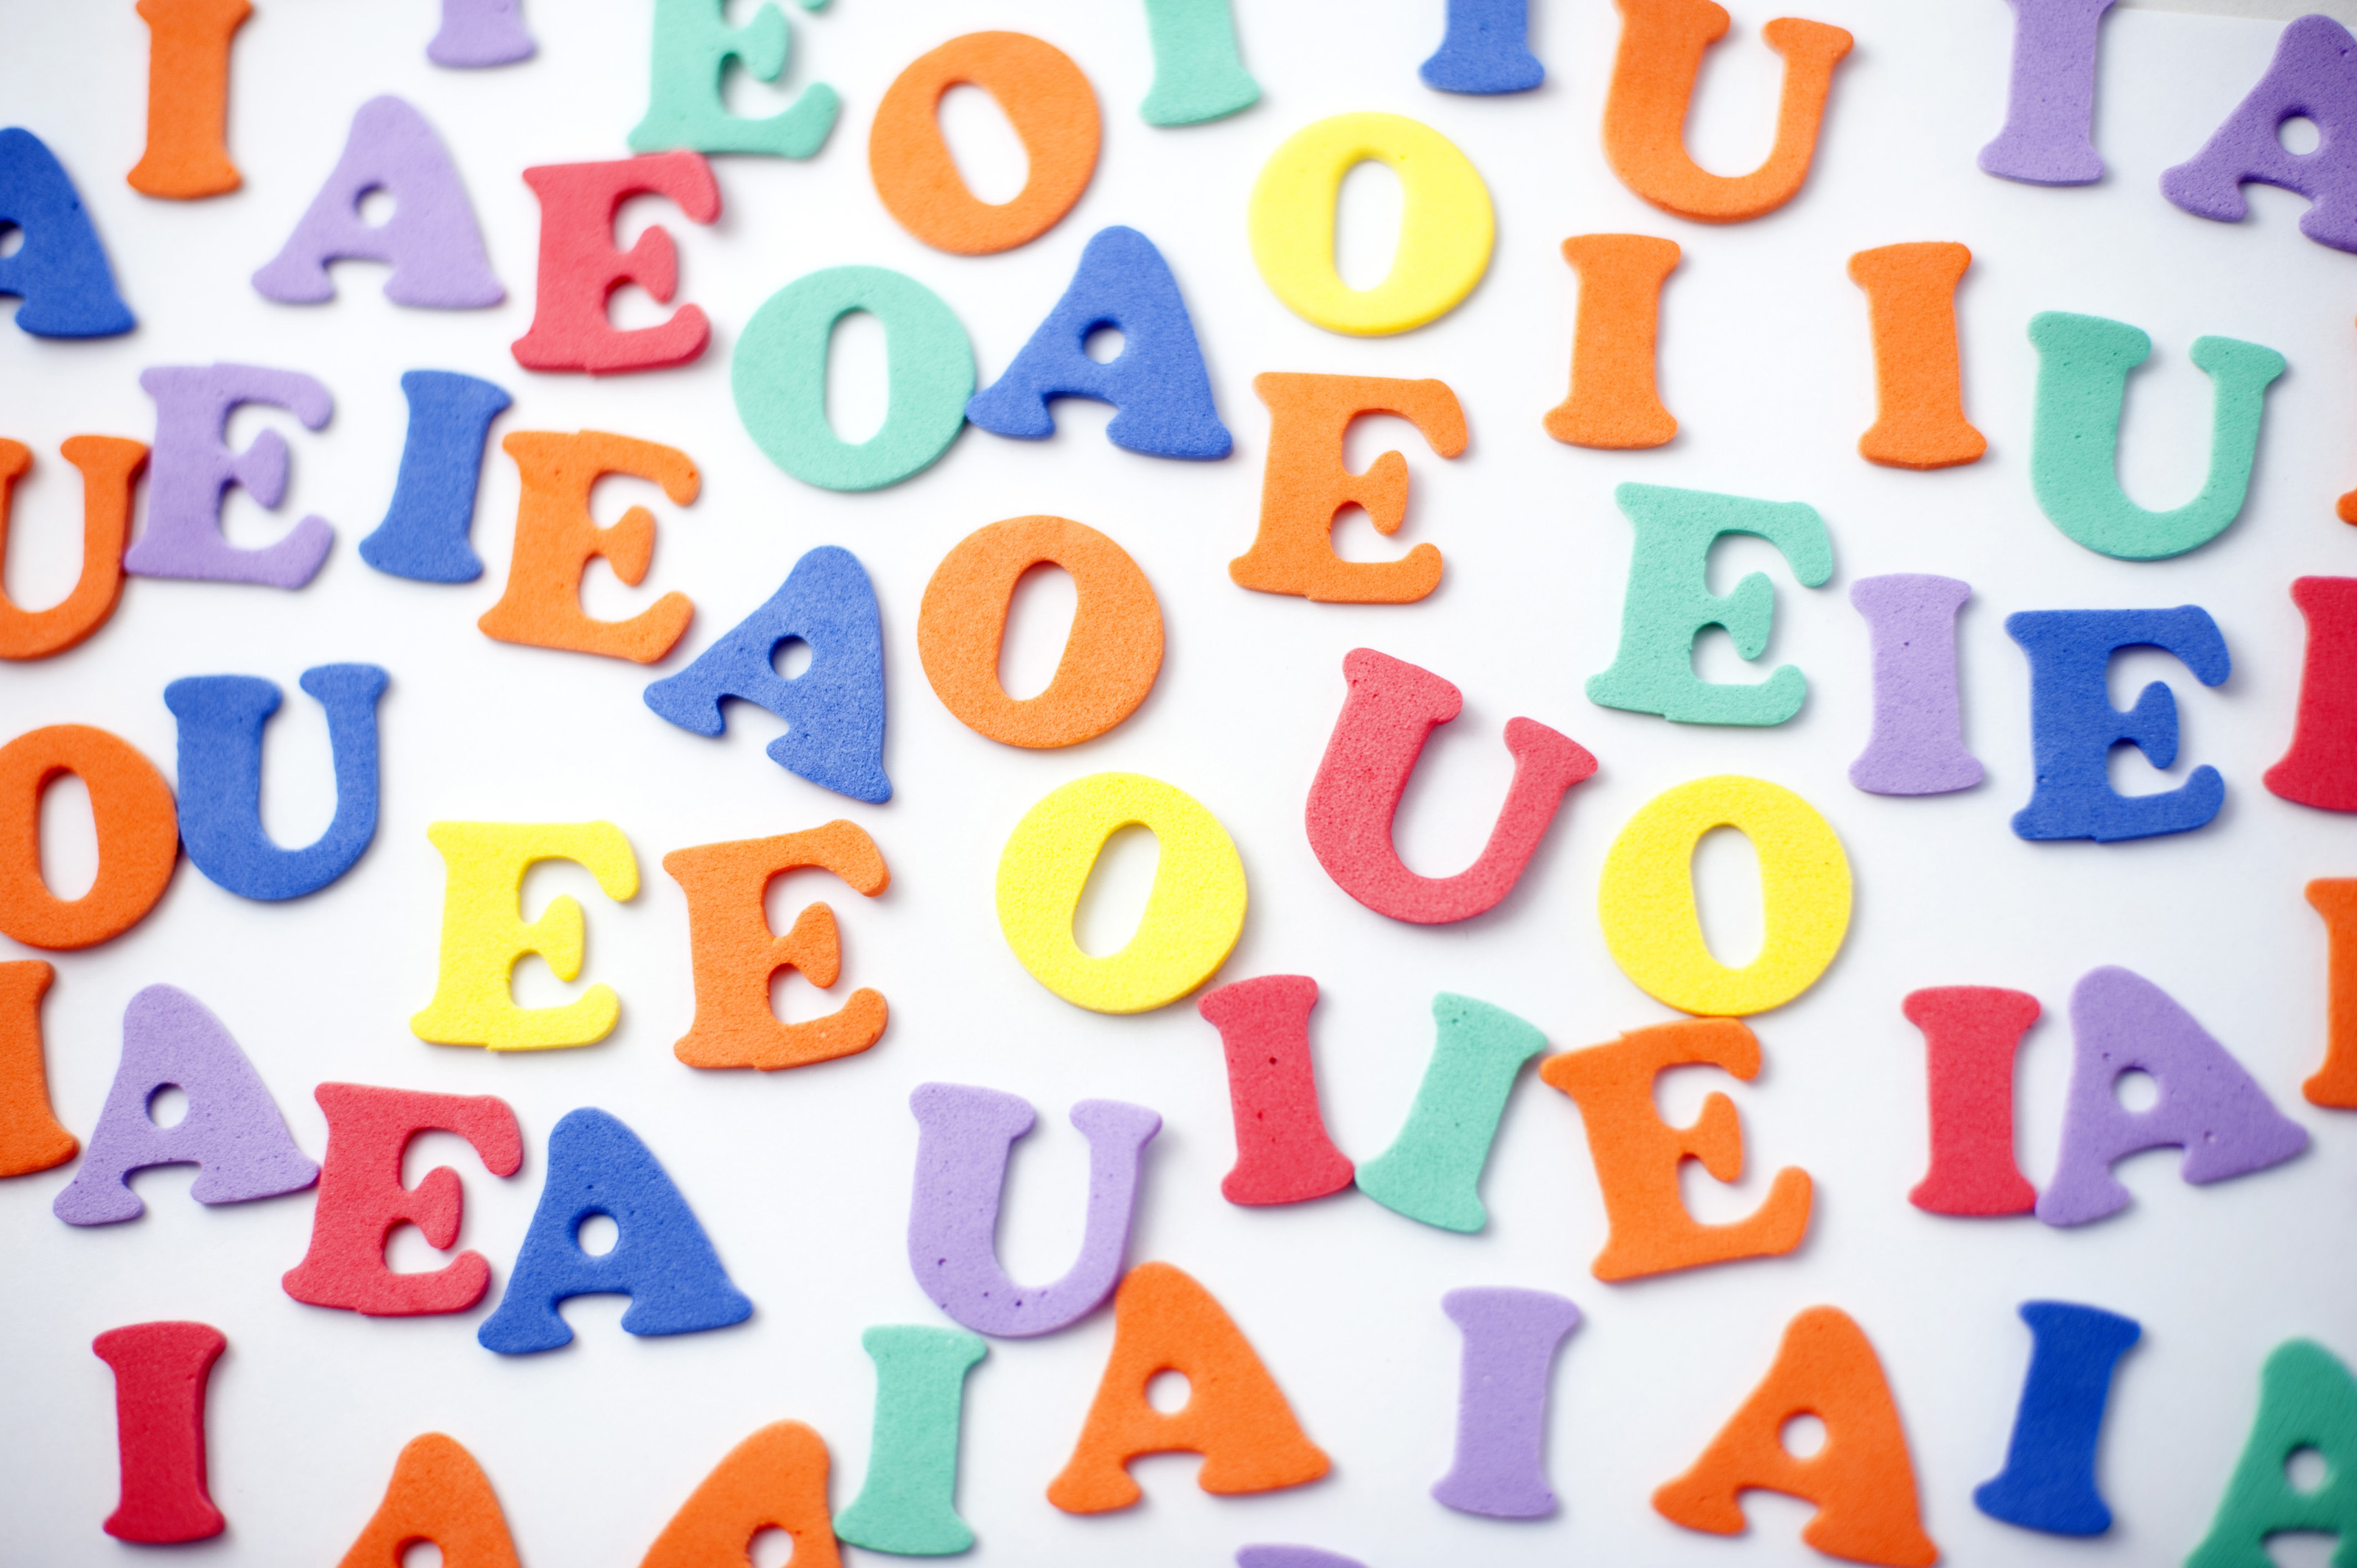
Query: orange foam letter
x,y
439,1494
187,97
555,537
109,466
2335,1083
775,1480
1862,1480
1305,483
138,836
1235,1415
735,954
1662,46
1638,1156
1613,403
30,1138
1919,382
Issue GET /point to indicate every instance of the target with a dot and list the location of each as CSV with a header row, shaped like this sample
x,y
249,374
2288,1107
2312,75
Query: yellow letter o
x,y
1646,903
1446,224
1192,918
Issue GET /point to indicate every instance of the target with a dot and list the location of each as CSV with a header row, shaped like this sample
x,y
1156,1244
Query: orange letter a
x,y
774,1480
1862,1480
1235,1415
439,1494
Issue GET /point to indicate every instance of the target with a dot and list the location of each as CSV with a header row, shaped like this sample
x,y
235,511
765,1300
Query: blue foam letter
x,y
423,534
2049,1481
1486,49
60,270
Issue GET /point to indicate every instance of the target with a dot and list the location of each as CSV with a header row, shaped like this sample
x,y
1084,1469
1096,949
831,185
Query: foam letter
x,y
2073,725
1669,604
187,155
2050,104
361,1199
735,954
555,538
423,536
2049,1480
779,378
221,778
1445,230
965,1136
431,240
160,1370
1918,744
1236,1416
1485,50
2306,1400
660,1258
138,837
1193,914
480,33
775,1480
1157,383
59,270
907,1504
1645,900
2334,1084
1043,94
439,1494
1305,484
1638,1156
1510,1337
1197,75
110,468
834,710
2320,768
1862,1480
2312,77
193,467
1661,47
694,44
2209,1106
1971,1034
233,1132
483,936
2083,372
1283,1153
1911,301
1111,656
1432,1171
30,1138
1613,403
1391,709
579,266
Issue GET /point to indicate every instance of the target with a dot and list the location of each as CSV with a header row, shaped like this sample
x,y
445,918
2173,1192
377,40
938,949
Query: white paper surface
x,y
802,1178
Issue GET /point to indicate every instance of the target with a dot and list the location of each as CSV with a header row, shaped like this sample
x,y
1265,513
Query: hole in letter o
x,y
138,836
1110,660
1052,108
1646,903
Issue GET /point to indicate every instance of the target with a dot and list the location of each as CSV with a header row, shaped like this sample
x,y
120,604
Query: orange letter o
x,y
1054,110
138,836
1110,660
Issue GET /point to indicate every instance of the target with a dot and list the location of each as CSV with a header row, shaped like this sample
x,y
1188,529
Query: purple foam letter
x,y
432,239
1917,745
2314,74
953,1216
1292,1557
2123,1023
2052,102
233,1132
1510,1342
192,465
480,32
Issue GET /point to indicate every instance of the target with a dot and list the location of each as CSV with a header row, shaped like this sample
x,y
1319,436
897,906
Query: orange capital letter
x,y
1613,403
187,97
555,537
775,1480
1919,382
30,1138
110,466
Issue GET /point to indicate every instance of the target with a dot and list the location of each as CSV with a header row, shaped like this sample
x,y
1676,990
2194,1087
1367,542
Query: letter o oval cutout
x,y
1646,904
138,836
1192,918
1446,224
1053,109
1110,660
779,378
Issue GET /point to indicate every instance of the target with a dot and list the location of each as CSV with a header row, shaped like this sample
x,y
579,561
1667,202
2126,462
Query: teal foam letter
x,y
2306,1400
907,1504
1670,602
1432,1171
1197,75
694,44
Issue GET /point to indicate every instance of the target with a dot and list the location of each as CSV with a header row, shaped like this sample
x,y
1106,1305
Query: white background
x,y
802,1178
